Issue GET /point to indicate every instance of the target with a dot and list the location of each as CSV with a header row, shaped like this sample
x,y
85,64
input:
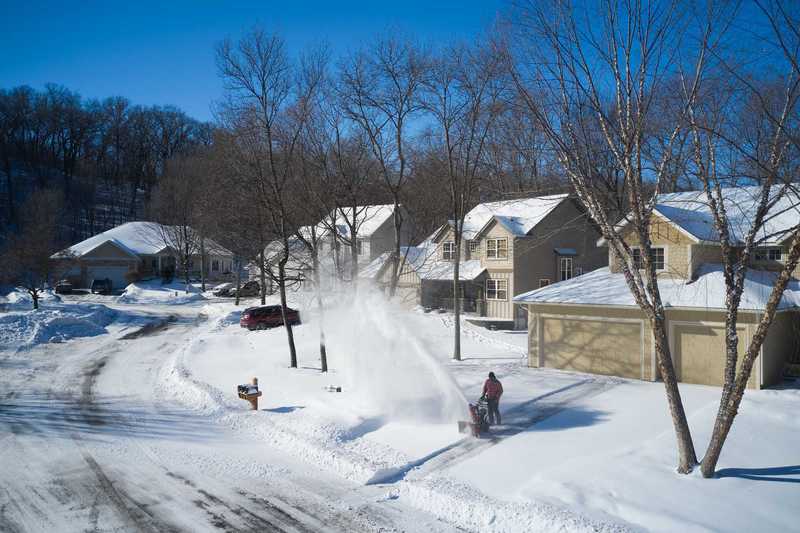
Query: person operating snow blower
x,y
492,391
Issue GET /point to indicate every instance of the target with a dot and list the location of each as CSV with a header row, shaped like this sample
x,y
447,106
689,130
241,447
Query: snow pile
x,y
393,388
52,322
153,292
467,508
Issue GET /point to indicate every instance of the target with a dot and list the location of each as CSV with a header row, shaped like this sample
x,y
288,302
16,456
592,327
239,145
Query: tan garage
x,y
698,350
597,346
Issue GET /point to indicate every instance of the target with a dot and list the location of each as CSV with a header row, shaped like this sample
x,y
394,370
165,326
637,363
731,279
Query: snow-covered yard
x,y
576,452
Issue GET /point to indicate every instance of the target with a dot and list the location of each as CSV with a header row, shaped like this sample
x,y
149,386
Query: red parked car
x,y
267,316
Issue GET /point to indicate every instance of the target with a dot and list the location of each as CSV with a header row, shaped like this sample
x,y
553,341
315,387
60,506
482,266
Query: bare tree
x,y
379,88
27,259
177,208
462,92
268,103
746,132
577,66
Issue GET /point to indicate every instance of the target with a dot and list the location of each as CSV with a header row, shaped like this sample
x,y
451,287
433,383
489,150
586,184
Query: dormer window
x,y
656,256
769,254
474,246
497,248
448,250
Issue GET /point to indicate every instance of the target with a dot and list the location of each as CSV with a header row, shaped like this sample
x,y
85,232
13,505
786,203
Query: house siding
x,y
662,234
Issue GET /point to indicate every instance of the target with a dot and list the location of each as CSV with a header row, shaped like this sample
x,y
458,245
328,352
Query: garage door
x,y
115,273
594,346
700,352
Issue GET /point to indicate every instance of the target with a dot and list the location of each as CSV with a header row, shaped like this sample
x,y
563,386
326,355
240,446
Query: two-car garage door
x,y
115,273
595,346
621,348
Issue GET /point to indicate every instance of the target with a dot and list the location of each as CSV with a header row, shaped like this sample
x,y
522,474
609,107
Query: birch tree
x,y
582,71
746,133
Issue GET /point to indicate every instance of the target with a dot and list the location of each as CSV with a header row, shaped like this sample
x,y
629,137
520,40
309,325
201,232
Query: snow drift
x,y
153,292
21,327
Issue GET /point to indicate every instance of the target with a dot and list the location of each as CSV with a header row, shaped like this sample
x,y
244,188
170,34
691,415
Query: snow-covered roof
x,y
135,238
601,287
690,212
368,219
443,270
518,216
414,256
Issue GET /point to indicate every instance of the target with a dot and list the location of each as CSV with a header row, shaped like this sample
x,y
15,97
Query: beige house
x,y
136,250
592,323
509,247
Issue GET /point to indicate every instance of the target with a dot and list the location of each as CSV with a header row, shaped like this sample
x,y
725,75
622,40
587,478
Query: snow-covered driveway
x,y
89,440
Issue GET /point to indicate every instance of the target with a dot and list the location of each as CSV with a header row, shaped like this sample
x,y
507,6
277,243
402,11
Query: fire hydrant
x,y
250,393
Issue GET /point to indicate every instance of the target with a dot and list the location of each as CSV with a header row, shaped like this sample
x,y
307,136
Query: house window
x,y
564,268
360,247
448,250
544,282
497,289
215,265
474,246
657,256
768,254
497,248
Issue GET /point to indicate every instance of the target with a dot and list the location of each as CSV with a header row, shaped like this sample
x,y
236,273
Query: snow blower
x,y
479,419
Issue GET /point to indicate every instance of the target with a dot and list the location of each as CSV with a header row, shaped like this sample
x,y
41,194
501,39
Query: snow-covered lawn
x,y
577,452
21,327
607,455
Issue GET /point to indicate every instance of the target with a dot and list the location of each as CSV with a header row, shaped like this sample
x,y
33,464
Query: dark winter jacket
x,y
492,389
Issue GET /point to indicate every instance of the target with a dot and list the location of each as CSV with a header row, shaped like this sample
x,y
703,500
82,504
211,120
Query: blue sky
x,y
162,52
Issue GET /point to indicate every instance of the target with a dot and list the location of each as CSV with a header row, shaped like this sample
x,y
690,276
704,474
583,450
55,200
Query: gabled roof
x,y
519,216
369,218
690,213
604,288
134,238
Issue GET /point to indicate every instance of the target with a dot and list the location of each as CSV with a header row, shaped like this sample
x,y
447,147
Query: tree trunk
x,y
323,351
203,264
396,256
35,296
687,459
287,325
457,299
354,260
238,280
262,267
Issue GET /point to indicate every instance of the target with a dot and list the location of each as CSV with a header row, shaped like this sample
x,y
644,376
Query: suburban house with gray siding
x,y
592,323
509,247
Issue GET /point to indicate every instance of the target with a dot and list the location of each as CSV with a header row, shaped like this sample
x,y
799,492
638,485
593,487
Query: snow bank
x,y
156,293
22,327
467,508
